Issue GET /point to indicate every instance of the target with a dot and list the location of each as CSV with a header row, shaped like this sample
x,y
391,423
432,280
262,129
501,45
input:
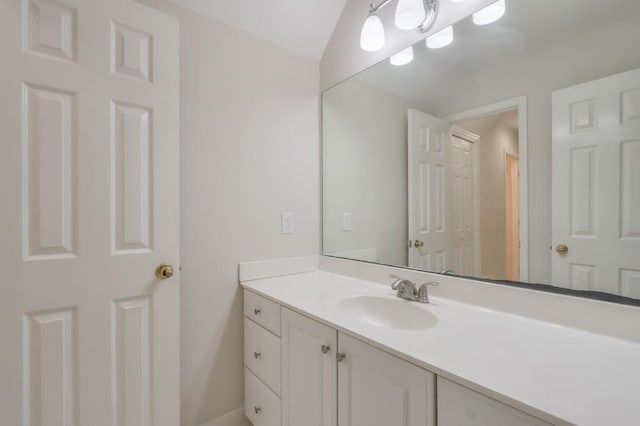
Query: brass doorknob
x,y
164,271
562,249
418,244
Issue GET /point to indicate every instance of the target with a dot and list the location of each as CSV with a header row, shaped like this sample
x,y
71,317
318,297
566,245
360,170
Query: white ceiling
x,y
301,26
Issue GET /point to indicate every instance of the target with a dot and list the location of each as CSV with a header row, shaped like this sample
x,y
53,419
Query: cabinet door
x,y
459,406
378,389
308,372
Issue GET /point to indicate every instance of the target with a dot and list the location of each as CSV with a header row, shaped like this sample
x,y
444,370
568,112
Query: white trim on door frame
x,y
519,103
509,153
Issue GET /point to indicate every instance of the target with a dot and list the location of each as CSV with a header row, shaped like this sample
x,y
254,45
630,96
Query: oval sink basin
x,y
387,313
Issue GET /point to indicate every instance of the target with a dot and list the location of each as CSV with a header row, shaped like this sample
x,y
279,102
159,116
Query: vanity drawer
x,y
262,354
261,406
263,311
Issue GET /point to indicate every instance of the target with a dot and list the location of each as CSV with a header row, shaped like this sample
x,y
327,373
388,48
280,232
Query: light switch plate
x,y
347,224
287,223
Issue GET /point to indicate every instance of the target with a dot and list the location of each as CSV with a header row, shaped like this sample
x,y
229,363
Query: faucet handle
x,y
394,285
423,293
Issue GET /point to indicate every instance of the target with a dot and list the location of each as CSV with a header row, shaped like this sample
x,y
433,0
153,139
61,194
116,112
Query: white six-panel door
x,y
428,170
596,185
462,206
89,190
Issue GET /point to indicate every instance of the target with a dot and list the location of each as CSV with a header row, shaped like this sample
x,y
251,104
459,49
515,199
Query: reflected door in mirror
x,y
462,206
428,200
596,185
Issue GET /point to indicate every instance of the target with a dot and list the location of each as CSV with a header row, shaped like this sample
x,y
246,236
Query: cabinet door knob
x,y
257,409
340,356
325,349
257,355
257,311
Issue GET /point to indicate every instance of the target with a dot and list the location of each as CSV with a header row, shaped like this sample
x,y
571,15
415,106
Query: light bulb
x,y
402,58
372,35
490,14
440,39
410,14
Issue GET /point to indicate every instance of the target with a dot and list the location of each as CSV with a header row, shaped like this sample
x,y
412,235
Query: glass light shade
x,y
456,1
440,39
372,35
490,14
402,58
410,14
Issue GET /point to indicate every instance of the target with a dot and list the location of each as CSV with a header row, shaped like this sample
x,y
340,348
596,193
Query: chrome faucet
x,y
407,290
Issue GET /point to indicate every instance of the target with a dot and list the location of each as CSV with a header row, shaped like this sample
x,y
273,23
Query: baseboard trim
x,y
233,418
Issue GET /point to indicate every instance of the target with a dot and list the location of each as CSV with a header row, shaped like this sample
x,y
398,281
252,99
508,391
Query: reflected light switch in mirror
x,y
287,223
346,222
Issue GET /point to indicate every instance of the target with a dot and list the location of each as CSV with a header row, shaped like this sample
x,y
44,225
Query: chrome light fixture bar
x,y
410,14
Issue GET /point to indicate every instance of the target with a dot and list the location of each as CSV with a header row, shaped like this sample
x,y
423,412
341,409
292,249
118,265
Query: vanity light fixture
x,y
490,14
372,36
440,39
410,15
403,57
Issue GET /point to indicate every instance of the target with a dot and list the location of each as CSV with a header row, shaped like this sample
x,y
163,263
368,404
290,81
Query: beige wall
x,y
249,150
365,157
343,56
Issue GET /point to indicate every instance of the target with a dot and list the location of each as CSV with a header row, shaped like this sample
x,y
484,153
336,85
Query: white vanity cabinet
x,y
262,360
459,406
375,388
300,372
309,388
321,367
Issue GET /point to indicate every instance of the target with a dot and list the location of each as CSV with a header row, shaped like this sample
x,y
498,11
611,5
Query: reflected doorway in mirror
x,y
499,195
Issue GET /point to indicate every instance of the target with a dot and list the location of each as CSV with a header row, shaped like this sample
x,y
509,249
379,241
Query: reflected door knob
x,y
418,244
164,271
562,249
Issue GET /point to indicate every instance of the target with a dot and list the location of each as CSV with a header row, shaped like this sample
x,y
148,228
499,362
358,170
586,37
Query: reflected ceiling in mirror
x,y
510,154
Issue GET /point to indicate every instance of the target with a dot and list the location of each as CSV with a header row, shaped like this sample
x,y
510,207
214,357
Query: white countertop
x,y
560,374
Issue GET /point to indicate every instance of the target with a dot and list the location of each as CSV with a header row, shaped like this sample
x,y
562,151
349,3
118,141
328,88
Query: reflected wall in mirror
x,y
512,154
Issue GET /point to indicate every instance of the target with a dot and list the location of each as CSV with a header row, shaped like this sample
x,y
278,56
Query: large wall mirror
x,y
511,154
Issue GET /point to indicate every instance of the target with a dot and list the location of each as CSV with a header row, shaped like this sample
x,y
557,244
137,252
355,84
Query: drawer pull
x,y
257,311
326,349
257,355
257,409
340,356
